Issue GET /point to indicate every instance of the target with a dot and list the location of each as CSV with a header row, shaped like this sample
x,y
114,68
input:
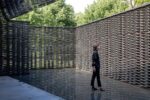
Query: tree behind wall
x,y
135,3
56,14
104,8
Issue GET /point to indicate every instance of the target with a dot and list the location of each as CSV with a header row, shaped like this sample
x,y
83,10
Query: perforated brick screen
x,y
14,8
124,46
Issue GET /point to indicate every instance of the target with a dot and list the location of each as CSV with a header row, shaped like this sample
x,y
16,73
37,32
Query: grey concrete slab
x,y
72,84
12,89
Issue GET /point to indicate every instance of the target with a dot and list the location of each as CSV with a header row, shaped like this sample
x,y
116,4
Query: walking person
x,y
96,69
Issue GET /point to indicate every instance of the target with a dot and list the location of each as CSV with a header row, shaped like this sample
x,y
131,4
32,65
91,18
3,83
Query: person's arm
x,y
93,62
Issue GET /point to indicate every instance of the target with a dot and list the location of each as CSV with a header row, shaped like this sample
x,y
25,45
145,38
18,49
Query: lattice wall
x,y
14,8
51,47
124,46
14,49
25,47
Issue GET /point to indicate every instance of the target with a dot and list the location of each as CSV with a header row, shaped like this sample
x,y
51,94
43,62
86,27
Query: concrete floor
x,y
12,89
72,84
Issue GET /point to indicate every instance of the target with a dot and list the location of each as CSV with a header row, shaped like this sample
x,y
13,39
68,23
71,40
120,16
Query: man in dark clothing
x,y
96,68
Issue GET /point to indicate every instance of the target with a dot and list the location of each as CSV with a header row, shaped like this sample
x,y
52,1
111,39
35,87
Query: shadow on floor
x,y
72,84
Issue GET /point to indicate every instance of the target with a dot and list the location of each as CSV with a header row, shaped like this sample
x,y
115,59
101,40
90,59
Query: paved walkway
x,y
12,89
72,84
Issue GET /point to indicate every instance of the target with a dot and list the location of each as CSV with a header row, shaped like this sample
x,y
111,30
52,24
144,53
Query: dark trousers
x,y
95,74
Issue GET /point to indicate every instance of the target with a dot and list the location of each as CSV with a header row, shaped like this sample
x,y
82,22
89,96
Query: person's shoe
x,y
101,89
94,89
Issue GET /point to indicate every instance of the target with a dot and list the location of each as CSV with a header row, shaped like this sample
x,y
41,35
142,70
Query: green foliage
x,y
101,9
135,3
104,8
56,14
139,2
61,14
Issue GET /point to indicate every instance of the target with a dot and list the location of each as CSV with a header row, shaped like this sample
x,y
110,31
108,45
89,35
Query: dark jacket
x,y
95,59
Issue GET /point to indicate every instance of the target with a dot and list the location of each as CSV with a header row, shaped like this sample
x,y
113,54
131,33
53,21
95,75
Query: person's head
x,y
95,48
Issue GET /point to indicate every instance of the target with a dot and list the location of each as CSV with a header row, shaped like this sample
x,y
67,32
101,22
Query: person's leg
x,y
92,80
98,79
